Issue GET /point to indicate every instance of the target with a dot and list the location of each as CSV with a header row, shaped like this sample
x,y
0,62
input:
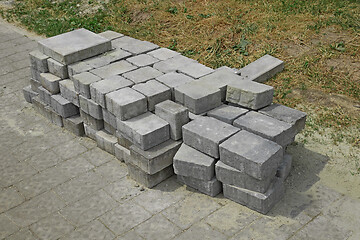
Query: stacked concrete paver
x,y
161,113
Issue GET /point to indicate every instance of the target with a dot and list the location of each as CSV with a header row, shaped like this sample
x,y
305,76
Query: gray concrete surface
x,y
56,185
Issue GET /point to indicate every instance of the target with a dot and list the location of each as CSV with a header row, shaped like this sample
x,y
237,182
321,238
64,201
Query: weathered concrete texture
x,y
195,70
174,79
74,46
82,83
142,60
195,116
107,58
44,95
110,129
106,141
142,74
175,114
126,103
284,168
89,131
90,107
154,91
148,180
113,69
262,69
75,125
99,89
123,140
249,94
226,113
257,156
35,84
206,133
67,91
163,53
29,94
261,202
133,45
35,74
121,153
63,107
173,64
111,35
38,61
50,82
78,67
145,131
91,122
154,159
232,176
267,127
190,162
286,114
211,188
109,118
197,97
58,69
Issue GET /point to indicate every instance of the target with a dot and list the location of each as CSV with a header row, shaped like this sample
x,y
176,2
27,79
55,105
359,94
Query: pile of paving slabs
x,y
163,113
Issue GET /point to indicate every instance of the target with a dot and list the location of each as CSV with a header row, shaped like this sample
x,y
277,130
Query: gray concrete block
x,y
232,176
44,95
121,152
262,69
35,74
99,89
292,116
93,123
142,60
249,94
75,125
57,68
38,61
154,91
163,53
257,156
195,70
206,133
50,82
123,140
175,114
133,45
63,107
198,98
82,83
35,84
284,168
145,131
173,64
111,35
154,159
211,188
106,141
195,116
90,132
29,94
109,118
113,69
174,79
78,67
126,103
67,91
260,202
74,46
142,74
107,58
226,113
148,180
83,104
39,106
56,118
267,127
95,109
190,162
110,129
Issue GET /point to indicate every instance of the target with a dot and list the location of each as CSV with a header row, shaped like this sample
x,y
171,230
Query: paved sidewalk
x,y
54,185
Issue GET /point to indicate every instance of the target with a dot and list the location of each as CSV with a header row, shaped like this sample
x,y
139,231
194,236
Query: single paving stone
x,y
63,107
95,124
260,202
35,84
232,176
78,67
106,141
126,103
163,53
111,35
195,70
142,60
145,131
74,46
58,69
284,168
262,69
142,74
123,139
189,162
35,74
154,91
173,64
56,118
29,94
82,83
248,159
75,125
286,114
113,69
90,107
39,107
110,129
174,79
211,188
99,89
267,127
121,152
226,113
90,132
107,58
50,82
154,159
148,180
133,45
206,133
175,114
67,91
109,118
38,61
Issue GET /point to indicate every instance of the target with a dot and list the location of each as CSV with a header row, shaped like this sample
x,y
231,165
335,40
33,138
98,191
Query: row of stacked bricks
x,y
159,111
